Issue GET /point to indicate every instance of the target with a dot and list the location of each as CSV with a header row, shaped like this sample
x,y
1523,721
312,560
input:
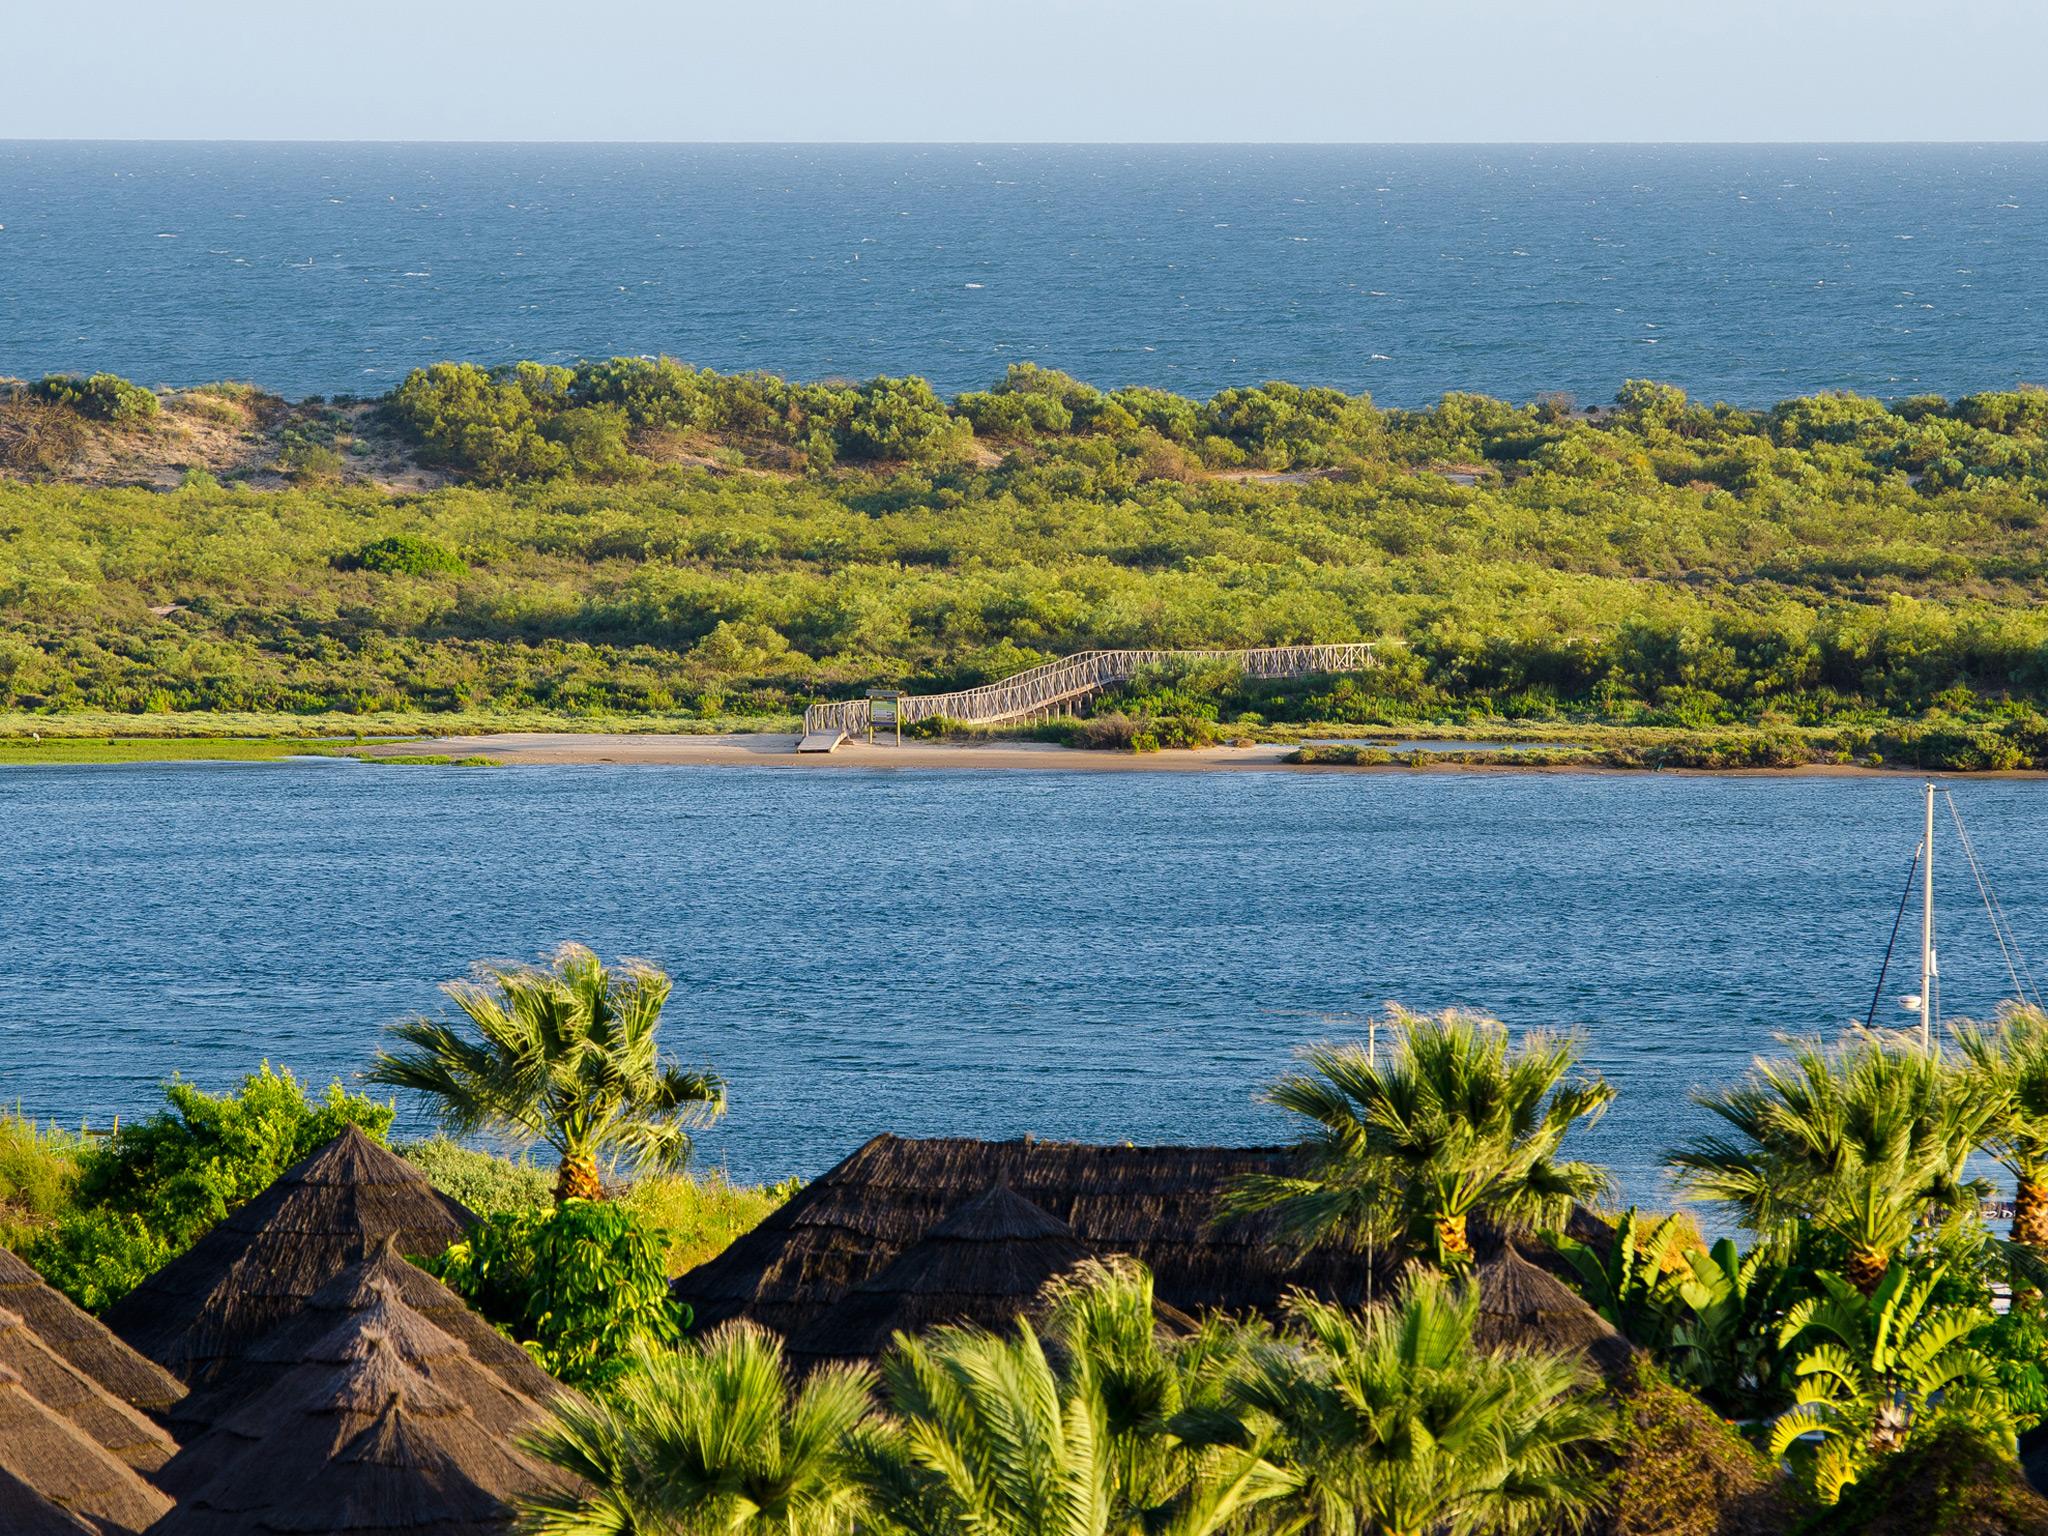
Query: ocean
x,y
1741,273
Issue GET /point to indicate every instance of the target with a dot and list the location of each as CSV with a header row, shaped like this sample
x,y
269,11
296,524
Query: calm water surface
x,y
1094,955
1745,273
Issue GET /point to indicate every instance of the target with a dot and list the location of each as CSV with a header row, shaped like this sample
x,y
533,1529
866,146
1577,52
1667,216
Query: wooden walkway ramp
x,y
1044,689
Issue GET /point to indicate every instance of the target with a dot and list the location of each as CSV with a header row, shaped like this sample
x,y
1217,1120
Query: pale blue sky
x,y
1001,70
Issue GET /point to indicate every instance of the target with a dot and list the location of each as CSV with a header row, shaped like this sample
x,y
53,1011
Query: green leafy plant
x,y
1453,1119
581,1286
1723,1342
567,1054
1873,1371
1394,1422
1630,1284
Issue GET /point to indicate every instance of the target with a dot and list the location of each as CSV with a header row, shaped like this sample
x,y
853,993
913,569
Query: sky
x,y
1343,71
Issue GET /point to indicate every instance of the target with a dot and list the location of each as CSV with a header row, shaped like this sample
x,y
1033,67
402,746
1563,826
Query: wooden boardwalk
x,y
1045,689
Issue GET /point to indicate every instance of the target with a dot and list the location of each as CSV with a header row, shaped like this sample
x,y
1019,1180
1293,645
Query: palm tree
x,y
1863,1142
2008,1063
993,1436
1456,1119
1396,1423
567,1055
708,1438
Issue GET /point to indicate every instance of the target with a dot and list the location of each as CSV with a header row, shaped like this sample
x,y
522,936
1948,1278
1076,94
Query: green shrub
x,y
157,1185
103,397
579,1285
408,554
486,422
488,1184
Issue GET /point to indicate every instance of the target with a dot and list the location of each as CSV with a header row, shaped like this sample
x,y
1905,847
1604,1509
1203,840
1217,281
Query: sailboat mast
x,y
1927,927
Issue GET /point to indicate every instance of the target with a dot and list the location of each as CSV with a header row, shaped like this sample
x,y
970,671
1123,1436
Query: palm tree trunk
x,y
1451,1240
2030,1214
577,1178
1866,1268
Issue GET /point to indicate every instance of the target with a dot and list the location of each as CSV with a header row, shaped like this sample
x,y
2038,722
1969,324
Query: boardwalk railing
x,y
1041,689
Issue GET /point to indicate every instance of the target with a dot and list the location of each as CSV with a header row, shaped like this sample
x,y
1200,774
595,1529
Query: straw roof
x,y
84,1340
1156,1204
257,1364
985,1264
1522,1306
24,1512
57,1460
288,1366
367,1445
64,1389
261,1264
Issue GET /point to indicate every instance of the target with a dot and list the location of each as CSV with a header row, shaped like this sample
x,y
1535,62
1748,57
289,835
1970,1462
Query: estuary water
x,y
1745,273
1101,955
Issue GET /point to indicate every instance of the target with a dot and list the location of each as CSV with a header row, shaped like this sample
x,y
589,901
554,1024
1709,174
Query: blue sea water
x,y
1100,955
1743,273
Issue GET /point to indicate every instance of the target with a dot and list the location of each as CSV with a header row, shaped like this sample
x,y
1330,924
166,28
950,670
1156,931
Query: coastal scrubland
x,y
639,544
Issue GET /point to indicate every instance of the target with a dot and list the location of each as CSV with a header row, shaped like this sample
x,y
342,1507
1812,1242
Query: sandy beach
x,y
775,750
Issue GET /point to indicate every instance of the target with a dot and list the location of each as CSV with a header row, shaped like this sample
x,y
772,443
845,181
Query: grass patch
x,y
27,751
701,1215
38,1165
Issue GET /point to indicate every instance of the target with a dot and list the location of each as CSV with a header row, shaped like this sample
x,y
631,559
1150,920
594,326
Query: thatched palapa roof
x,y
1522,1306
985,1264
84,1340
381,1328
369,1445
53,1457
379,1275
24,1512
261,1264
64,1389
1155,1204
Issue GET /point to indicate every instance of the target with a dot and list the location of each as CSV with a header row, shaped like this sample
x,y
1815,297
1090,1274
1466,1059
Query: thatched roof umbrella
x,y
62,1388
1521,1306
293,1368
1156,1204
380,1274
261,1264
370,1445
985,1264
85,1341
24,1512
55,1458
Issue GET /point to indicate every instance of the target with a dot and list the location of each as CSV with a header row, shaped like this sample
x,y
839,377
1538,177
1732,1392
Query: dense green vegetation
x,y
638,538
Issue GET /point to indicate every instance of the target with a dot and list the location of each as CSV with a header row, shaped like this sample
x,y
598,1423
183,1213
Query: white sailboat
x,y
1927,1001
